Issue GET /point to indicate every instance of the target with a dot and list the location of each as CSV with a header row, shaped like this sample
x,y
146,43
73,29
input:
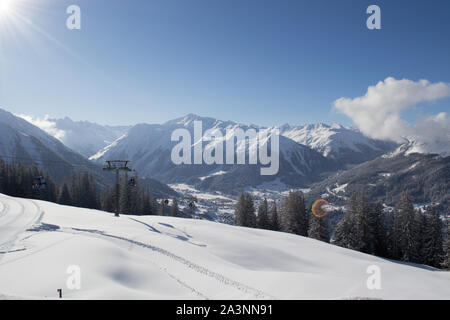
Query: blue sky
x,y
266,62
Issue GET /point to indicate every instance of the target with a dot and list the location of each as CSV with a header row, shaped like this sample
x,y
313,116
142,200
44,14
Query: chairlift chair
x,y
132,182
39,184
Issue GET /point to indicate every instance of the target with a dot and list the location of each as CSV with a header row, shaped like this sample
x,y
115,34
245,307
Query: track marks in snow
x,y
16,217
257,294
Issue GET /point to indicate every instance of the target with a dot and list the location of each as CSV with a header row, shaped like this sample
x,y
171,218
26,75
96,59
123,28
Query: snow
x,y
414,145
218,173
326,139
385,174
152,257
340,188
84,137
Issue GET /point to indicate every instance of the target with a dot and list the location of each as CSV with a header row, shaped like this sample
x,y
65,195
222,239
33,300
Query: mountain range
x,y
320,157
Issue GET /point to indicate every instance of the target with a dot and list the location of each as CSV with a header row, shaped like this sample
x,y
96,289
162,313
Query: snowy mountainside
x,y
84,137
345,145
437,147
425,177
88,138
153,257
20,141
150,146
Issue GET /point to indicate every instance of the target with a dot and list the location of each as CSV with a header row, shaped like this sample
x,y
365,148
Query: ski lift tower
x,y
117,166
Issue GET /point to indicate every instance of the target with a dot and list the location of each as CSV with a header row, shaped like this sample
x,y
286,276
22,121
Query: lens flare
x,y
5,6
320,208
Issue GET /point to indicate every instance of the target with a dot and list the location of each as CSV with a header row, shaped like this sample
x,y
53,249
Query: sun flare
x,y
5,6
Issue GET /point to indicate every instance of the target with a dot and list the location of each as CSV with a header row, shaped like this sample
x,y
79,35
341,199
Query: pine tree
x,y
154,205
174,212
318,228
245,211
350,229
274,224
107,200
447,248
433,244
343,227
263,215
162,207
421,225
380,248
64,197
146,205
367,219
405,246
294,218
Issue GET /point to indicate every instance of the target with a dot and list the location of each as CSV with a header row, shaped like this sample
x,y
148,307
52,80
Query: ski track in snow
x,y
257,294
35,218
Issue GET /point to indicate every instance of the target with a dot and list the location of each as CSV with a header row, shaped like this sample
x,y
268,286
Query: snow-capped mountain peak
x,y
335,141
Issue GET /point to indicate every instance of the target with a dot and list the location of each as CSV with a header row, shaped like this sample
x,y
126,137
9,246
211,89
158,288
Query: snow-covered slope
x,y
171,258
337,142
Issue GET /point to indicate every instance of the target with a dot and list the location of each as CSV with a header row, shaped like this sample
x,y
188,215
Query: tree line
x,y
81,190
405,234
291,217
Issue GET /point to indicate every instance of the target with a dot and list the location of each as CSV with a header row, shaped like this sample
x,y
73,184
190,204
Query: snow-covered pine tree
x,y
294,218
433,244
174,212
318,228
380,230
366,222
447,248
274,220
162,208
355,219
64,197
421,221
404,230
343,228
245,211
350,229
154,205
146,206
263,215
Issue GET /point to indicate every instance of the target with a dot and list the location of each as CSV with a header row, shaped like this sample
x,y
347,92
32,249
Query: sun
x,y
5,6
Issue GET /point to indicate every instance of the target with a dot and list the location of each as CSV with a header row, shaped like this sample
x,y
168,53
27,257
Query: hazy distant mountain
x,y
85,137
149,148
20,141
345,145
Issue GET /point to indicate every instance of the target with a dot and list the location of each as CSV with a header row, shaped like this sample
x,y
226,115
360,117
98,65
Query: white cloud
x,y
378,113
46,125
